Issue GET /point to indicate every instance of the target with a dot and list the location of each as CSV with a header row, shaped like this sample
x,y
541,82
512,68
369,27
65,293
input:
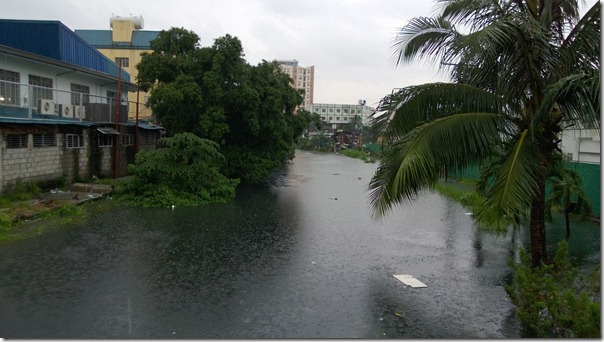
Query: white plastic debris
x,y
409,280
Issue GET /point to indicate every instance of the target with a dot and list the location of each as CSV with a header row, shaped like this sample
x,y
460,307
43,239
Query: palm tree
x,y
520,71
567,192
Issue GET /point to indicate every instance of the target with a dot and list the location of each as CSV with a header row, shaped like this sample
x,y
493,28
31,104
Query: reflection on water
x,y
284,260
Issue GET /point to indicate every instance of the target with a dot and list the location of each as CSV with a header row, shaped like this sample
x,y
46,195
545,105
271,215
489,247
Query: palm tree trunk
x,y
537,226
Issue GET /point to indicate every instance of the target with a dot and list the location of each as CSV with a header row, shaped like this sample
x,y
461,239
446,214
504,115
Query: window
x,y
128,139
105,140
9,92
323,118
16,140
322,110
331,110
74,140
345,111
337,118
124,60
42,89
45,140
76,90
337,110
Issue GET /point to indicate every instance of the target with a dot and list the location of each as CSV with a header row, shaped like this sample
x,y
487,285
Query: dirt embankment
x,y
77,194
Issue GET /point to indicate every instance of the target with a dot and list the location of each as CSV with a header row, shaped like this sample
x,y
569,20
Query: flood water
x,y
301,258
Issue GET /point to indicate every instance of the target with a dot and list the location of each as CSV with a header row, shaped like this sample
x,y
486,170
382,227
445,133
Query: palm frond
x,y
578,98
411,106
516,182
421,156
424,38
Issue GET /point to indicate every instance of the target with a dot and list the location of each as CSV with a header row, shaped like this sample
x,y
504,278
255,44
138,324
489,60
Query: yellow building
x,y
124,44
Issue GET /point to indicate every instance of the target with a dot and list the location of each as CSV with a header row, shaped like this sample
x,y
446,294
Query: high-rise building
x,y
124,44
303,78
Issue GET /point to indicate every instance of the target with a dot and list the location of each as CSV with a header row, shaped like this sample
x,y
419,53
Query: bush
x,y
556,300
185,172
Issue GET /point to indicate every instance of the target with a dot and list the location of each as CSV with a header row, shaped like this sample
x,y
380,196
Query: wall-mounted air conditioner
x,y
68,111
46,107
79,112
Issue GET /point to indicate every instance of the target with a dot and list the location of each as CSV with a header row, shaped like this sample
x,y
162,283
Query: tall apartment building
x,y
124,44
303,78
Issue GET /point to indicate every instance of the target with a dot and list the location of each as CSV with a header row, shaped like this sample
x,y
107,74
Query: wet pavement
x,y
299,259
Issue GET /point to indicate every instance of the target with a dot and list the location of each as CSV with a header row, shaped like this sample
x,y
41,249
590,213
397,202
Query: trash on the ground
x,y
469,214
56,191
410,280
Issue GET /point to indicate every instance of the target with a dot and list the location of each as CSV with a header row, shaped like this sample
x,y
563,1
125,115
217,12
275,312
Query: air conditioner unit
x,y
79,112
46,107
67,111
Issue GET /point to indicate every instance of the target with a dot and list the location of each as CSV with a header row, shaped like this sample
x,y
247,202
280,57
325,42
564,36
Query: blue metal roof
x,y
103,39
54,40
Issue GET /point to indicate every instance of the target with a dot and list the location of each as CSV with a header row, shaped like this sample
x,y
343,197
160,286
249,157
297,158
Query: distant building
x,y
124,44
337,115
303,78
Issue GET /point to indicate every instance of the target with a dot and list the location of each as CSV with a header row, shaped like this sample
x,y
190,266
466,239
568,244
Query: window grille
x,y
127,139
124,60
16,140
74,140
76,90
10,93
45,140
42,88
105,140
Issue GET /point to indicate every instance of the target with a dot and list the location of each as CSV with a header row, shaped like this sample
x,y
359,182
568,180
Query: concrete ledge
x,y
94,188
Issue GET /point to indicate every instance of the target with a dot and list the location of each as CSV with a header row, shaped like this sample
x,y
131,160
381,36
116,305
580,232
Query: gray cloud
x,y
346,40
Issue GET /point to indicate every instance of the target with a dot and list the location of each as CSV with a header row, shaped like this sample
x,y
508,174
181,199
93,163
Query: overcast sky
x,y
348,41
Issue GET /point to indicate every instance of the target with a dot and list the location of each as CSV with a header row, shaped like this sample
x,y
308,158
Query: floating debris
x,y
410,280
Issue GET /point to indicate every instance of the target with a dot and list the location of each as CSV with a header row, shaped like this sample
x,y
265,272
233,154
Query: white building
x,y
338,114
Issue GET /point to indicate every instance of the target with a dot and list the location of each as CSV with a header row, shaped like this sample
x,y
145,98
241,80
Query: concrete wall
x,y
35,164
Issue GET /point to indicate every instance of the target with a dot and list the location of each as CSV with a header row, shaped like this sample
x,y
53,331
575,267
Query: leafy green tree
x,y
185,171
520,72
264,123
250,111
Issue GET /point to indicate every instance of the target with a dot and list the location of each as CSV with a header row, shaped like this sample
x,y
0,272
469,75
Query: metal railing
x,y
24,101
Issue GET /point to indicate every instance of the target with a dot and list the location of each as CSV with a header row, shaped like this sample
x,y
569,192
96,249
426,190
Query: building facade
x,y
124,44
339,114
63,108
302,78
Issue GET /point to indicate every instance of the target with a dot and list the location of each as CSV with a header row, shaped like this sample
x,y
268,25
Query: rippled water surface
x,y
298,259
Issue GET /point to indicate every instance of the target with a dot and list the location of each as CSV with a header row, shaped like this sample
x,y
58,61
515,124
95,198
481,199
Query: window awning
x,y
106,130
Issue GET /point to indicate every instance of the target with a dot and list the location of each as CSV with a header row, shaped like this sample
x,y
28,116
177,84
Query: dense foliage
x,y
184,172
249,111
556,300
521,72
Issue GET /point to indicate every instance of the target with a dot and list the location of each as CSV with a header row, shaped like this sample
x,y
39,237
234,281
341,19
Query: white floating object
x,y
410,280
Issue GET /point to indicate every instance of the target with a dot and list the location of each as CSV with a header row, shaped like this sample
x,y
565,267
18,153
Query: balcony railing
x,y
24,101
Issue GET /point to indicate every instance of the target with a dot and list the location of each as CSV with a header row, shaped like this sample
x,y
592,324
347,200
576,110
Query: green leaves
x,y
184,172
521,70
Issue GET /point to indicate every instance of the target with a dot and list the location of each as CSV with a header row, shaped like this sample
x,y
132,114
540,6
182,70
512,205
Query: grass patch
x,y
358,154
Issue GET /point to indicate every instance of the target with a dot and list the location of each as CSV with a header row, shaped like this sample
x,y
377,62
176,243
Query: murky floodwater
x,y
299,259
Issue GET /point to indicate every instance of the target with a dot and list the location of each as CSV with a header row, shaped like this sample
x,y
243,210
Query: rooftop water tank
x,y
138,21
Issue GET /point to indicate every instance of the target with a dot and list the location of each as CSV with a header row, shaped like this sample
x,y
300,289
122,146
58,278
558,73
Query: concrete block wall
x,y
30,164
